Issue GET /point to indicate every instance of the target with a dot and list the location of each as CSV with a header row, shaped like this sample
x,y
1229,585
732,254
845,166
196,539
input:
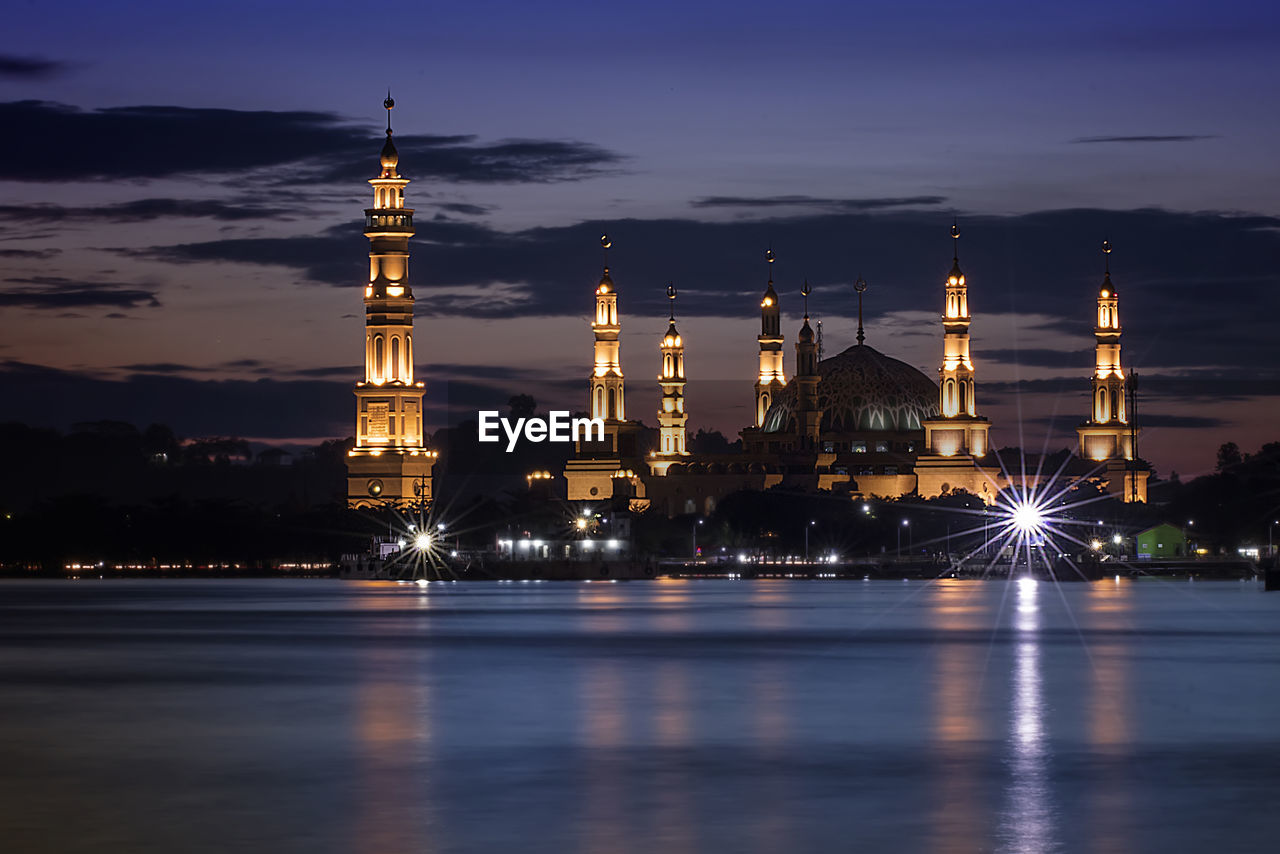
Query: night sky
x,y
181,195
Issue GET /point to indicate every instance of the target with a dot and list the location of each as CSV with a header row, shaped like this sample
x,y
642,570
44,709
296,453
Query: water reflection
x,y
1026,824
605,804
1107,612
393,733
674,806
770,727
957,815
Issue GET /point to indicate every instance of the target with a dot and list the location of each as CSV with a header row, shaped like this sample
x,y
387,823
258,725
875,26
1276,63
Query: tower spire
x,y
1110,434
771,378
389,464
861,287
957,429
605,383
809,416
671,415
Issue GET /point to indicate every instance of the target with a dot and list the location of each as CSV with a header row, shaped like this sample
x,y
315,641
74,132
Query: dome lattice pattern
x,y
862,390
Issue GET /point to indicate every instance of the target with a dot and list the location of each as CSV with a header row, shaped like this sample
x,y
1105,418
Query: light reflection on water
x,y
680,716
1026,825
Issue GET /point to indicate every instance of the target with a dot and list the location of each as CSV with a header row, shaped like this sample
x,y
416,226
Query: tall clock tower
x,y
390,464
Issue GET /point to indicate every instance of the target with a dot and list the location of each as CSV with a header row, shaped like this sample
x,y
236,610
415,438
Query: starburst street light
x,y
1028,518
422,542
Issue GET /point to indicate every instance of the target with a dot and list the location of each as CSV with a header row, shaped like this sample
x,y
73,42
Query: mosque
x,y
859,423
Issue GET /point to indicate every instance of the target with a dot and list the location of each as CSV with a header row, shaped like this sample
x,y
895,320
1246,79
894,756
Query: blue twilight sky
x,y
181,187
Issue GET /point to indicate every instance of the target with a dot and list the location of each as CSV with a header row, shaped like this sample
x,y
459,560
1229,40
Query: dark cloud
x,y
1190,422
30,67
190,406
814,202
58,293
60,142
331,371
1146,138
1182,277
1199,388
236,407
142,210
1037,357
32,254
463,208
315,256
160,368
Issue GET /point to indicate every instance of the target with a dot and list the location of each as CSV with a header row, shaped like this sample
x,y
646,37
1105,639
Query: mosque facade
x,y
859,423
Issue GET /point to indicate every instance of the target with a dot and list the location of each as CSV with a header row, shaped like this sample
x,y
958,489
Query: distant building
x,y
1162,541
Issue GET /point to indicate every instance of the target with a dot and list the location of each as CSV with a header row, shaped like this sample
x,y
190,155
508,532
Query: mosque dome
x,y
861,390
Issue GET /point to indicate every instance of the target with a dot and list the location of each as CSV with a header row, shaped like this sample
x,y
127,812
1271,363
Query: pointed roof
x,y
390,157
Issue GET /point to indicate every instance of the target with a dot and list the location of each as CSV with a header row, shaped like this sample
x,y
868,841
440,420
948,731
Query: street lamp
x,y
695,526
905,524
806,539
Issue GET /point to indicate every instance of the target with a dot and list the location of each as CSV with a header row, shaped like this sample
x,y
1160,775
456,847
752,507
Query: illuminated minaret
x,y
1108,434
671,414
606,375
809,416
772,376
390,464
958,429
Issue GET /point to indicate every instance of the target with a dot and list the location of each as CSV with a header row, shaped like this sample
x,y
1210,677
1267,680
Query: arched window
x,y
949,404
599,413
408,356
1115,402
613,405
378,367
1102,404
395,357
666,365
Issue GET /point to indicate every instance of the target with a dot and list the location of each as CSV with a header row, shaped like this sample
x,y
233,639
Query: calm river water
x,y
672,716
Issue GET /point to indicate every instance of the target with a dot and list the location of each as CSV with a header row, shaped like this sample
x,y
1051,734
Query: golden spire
x,y
390,157
605,243
955,251
671,295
